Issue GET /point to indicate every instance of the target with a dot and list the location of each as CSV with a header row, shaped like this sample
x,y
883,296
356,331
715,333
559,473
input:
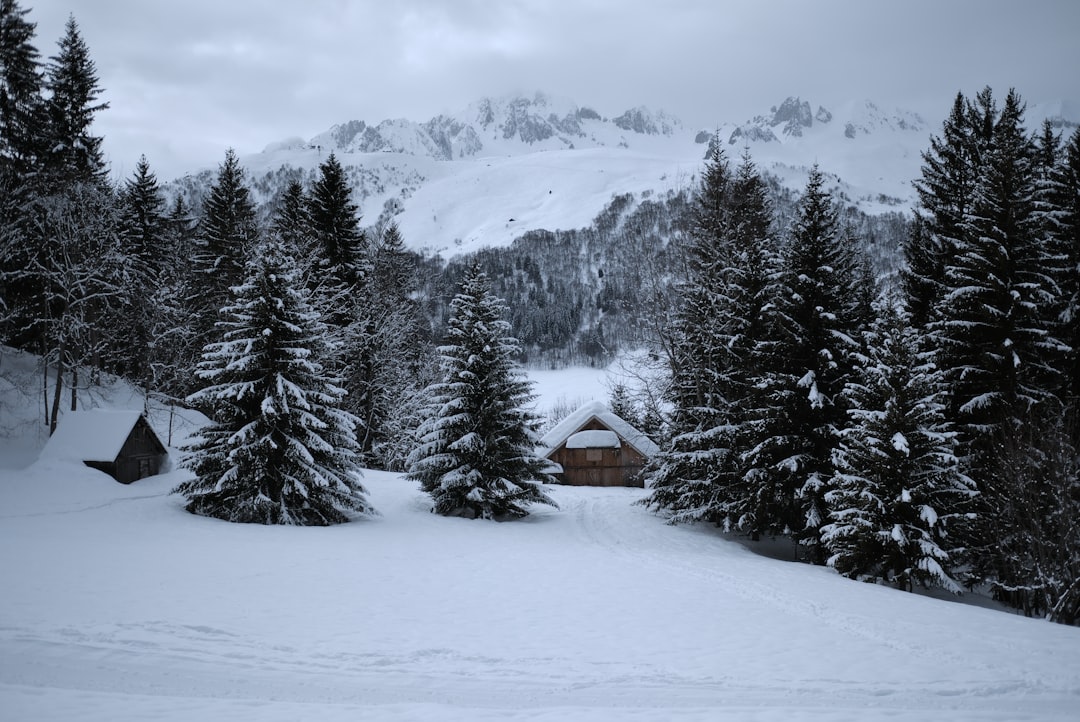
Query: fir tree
x,y
950,170
335,225
147,245
227,234
701,475
1064,200
806,362
21,102
995,333
292,220
21,121
897,484
280,450
72,82
477,452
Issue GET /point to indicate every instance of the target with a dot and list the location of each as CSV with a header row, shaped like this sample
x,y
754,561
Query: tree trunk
x,y
74,387
58,389
45,383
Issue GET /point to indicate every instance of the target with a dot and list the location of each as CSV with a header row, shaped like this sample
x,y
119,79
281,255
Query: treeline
x,y
923,436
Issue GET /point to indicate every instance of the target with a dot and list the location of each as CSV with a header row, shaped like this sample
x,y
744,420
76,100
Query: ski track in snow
x,y
131,609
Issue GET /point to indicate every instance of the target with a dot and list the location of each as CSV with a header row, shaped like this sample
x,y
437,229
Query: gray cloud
x,y
186,80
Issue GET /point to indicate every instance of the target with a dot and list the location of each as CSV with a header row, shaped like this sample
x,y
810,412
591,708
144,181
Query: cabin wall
x,y
141,456
600,467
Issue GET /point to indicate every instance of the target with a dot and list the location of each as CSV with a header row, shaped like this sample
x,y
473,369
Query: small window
x,y
594,454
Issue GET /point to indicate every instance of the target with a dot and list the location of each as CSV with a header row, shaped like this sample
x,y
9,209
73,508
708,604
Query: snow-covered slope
x,y
119,605
504,166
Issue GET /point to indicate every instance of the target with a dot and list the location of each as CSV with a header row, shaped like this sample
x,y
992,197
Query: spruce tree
x,y
723,324
995,332
1065,202
148,248
226,236
897,486
21,102
807,360
335,226
477,454
72,81
683,476
280,449
951,168
292,221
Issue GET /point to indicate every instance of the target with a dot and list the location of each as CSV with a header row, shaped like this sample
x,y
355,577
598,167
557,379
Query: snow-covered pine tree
x,y
292,220
950,170
702,475
683,476
995,331
280,450
226,236
477,455
335,226
148,246
806,360
897,486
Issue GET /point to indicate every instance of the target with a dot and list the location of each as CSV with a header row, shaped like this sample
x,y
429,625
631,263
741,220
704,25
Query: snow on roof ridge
x,y
90,435
562,430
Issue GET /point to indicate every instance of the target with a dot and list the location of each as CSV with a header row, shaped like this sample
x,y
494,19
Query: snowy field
x,y
119,605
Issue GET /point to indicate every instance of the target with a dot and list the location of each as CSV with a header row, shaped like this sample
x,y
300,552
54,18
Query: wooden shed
x,y
120,443
594,447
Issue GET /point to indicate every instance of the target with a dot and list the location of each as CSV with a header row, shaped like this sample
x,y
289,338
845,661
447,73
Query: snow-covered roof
x,y
596,409
95,435
593,439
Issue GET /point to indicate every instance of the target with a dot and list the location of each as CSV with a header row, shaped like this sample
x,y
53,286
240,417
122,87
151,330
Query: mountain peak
x,y
795,114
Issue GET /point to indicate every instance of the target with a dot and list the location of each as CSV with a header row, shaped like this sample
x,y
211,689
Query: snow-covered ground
x,y
119,605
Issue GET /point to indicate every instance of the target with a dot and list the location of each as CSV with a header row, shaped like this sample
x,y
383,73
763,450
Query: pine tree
x,y
683,476
72,82
477,453
21,120
280,450
1065,202
148,248
21,103
898,487
226,236
950,170
995,334
335,225
806,362
292,220
727,301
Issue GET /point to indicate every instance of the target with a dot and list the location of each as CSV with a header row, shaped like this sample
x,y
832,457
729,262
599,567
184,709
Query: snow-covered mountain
x,y
503,166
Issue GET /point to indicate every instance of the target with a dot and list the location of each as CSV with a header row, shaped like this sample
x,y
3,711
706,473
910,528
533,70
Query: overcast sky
x,y
185,79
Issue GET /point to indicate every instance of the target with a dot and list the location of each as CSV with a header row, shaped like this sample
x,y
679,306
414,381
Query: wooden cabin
x,y
120,443
594,447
